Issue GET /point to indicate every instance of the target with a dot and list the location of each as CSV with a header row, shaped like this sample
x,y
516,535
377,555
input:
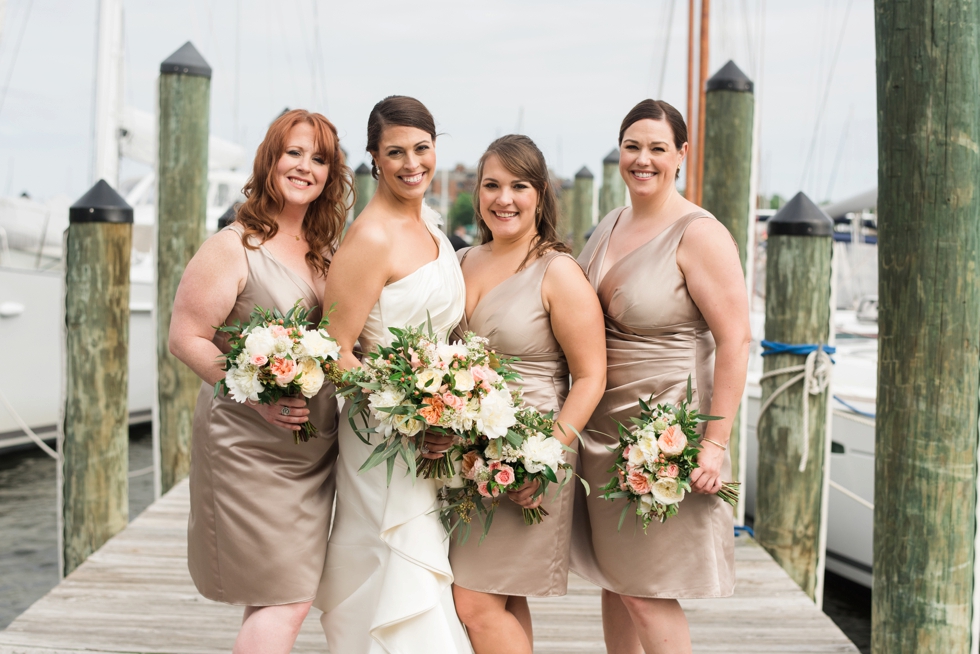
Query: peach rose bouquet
x,y
655,459
487,467
423,383
276,356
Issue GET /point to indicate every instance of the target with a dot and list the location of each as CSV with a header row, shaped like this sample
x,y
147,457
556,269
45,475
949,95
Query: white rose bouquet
x,y
422,383
655,460
276,356
488,466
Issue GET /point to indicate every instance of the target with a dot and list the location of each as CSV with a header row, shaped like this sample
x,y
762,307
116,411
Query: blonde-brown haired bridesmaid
x,y
671,287
528,296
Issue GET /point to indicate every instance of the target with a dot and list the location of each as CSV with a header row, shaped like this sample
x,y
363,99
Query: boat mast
x,y
689,170
703,61
108,93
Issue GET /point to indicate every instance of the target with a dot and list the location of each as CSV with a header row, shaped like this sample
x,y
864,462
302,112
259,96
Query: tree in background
x,y
461,213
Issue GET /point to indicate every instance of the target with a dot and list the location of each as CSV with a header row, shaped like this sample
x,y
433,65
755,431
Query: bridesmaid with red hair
x,y
261,505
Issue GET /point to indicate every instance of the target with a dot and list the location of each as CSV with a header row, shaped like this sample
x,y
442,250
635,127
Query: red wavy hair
x,y
325,216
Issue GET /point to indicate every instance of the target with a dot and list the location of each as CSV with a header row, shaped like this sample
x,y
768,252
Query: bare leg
x,y
270,629
660,624
617,626
518,606
491,627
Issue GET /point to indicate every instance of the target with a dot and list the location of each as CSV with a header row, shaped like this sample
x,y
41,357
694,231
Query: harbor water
x,y
28,540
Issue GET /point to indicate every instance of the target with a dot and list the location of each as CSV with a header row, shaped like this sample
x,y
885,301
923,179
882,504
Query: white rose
x,y
464,380
667,491
494,449
637,456
243,383
539,451
446,351
646,503
319,344
407,424
649,448
428,380
497,414
312,377
260,342
387,397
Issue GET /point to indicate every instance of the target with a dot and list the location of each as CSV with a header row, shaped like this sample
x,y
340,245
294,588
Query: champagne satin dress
x,y
515,558
655,337
260,504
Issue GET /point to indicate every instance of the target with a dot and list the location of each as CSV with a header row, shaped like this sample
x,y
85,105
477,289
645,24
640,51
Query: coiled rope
x,y
814,373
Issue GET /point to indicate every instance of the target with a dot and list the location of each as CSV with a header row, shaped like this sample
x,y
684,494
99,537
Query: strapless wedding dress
x,y
386,584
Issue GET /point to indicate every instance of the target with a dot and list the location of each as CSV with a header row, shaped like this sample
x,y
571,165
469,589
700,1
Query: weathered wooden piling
x,y
94,495
185,92
729,107
364,188
566,197
581,208
789,520
613,191
928,72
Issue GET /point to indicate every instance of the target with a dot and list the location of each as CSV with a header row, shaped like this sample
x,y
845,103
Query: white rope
x,y
27,430
851,494
815,374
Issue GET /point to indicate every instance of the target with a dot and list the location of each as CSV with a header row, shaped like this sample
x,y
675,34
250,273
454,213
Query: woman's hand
x,y
524,496
435,445
706,478
288,413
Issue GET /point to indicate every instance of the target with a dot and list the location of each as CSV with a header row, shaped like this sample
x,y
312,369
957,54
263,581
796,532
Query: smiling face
x,y
406,161
648,158
302,170
508,204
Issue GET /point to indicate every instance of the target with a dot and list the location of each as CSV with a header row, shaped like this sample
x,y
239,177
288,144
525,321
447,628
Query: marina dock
x,y
135,595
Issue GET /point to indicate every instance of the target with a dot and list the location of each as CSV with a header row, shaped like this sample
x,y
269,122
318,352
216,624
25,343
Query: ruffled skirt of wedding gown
x,y
387,585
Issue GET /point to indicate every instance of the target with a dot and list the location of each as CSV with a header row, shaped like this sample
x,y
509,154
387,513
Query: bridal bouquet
x,y
421,383
655,460
489,466
276,356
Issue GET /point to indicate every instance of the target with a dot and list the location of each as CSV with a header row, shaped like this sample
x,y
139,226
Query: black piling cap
x,y
227,217
730,78
100,205
362,170
800,217
612,157
585,173
186,61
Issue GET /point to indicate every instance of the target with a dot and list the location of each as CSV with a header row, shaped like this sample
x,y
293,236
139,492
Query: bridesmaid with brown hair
x,y
528,296
260,504
671,287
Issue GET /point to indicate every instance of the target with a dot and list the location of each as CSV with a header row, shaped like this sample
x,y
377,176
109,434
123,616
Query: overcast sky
x,y
564,71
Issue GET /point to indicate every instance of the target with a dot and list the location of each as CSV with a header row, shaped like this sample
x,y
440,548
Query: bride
x,y
386,584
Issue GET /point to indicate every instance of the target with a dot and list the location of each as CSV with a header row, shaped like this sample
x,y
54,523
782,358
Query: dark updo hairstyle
x,y
657,110
522,158
396,111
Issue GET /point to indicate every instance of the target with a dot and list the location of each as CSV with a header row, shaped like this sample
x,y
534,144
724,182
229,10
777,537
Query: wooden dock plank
x,y
135,595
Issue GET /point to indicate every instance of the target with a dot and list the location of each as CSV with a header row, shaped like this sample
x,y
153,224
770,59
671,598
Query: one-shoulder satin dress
x,y
386,585
514,558
260,503
655,338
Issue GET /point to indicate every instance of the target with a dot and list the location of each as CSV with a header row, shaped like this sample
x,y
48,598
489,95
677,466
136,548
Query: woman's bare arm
x,y
709,261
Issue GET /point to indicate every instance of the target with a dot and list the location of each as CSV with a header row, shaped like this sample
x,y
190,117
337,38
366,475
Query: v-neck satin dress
x,y
515,558
655,338
260,503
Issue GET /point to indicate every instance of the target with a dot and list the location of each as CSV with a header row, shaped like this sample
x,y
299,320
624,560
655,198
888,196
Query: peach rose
x,y
472,464
415,361
671,471
673,441
504,476
638,482
432,411
453,401
278,330
258,360
284,369
482,489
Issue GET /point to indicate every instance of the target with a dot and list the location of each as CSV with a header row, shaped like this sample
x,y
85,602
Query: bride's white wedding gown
x,y
386,584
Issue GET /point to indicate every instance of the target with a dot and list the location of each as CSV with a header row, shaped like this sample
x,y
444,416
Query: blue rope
x,y
855,409
747,530
775,347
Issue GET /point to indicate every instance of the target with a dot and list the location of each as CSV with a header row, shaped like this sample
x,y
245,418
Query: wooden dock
x,y
135,595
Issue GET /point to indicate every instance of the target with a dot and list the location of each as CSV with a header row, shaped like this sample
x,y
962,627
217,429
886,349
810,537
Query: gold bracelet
x,y
715,443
